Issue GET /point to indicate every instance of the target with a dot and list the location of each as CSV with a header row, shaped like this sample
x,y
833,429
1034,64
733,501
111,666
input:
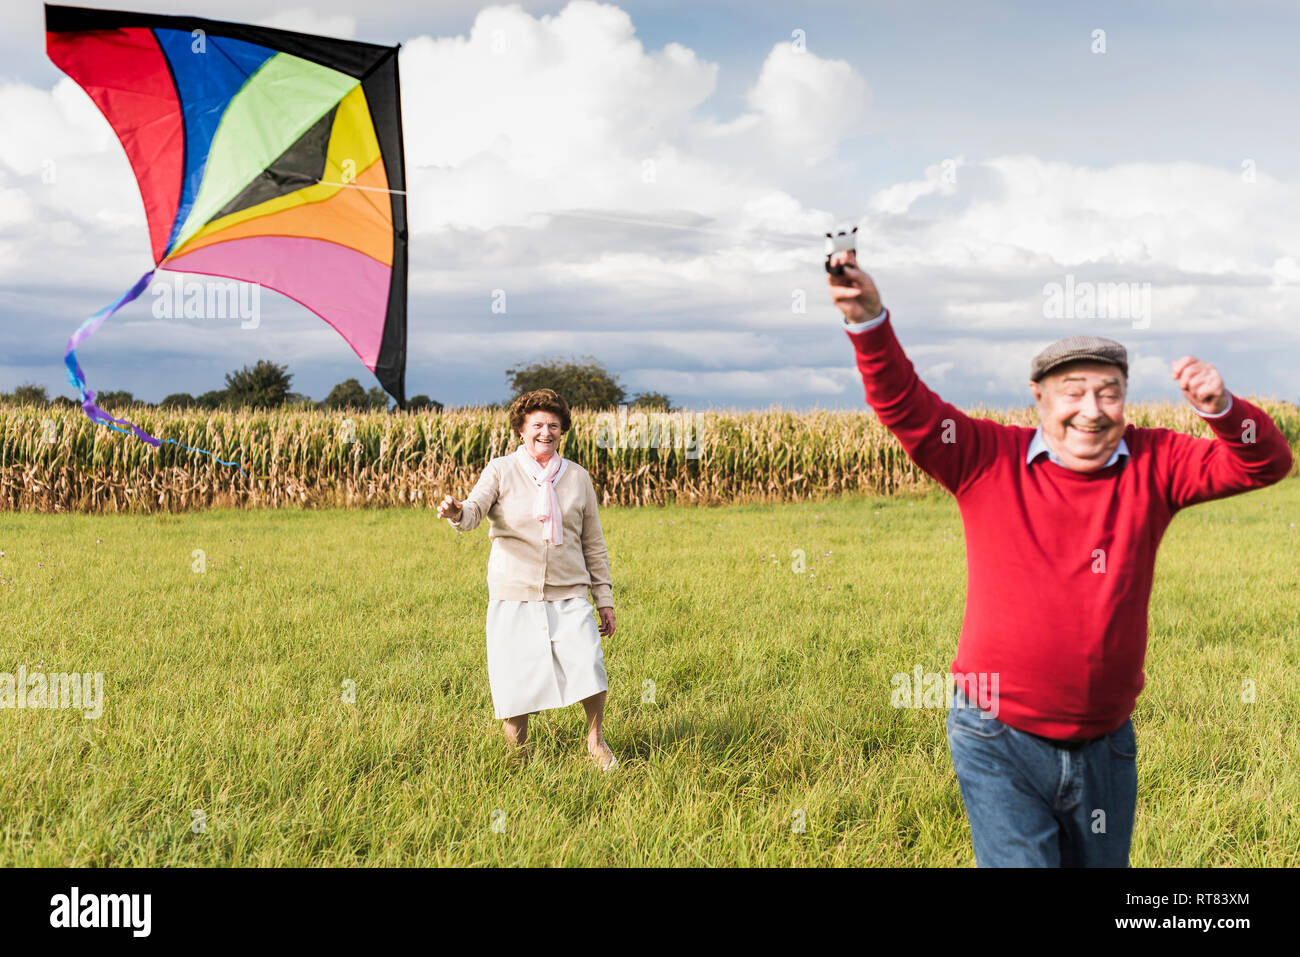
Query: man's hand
x,y
1201,385
853,293
450,509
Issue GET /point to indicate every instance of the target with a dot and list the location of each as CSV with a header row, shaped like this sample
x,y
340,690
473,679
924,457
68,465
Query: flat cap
x,y
1074,348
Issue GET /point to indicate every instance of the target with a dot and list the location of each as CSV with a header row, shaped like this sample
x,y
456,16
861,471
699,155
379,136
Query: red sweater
x,y
1066,641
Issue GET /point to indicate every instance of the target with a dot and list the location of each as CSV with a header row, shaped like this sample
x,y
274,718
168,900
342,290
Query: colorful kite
x,y
262,155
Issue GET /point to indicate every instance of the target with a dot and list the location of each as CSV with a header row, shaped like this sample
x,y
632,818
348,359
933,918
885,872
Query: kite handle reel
x,y
842,241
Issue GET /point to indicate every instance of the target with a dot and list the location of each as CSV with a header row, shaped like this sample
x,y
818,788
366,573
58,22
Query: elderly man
x,y
1062,524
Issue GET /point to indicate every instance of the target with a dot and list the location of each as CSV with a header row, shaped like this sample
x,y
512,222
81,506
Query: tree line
x,y
583,382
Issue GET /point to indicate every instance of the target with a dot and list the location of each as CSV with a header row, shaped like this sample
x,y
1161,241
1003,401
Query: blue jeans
x,y
1031,803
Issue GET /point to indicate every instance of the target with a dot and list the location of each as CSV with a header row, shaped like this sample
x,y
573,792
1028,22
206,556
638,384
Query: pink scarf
x,y
546,506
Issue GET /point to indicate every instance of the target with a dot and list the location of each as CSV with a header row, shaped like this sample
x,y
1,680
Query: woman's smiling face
x,y
541,434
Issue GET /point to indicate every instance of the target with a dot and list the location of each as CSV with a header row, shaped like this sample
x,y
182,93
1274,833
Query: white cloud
x,y
803,104
304,20
1152,374
527,115
1286,270
1185,216
16,207
551,91
570,111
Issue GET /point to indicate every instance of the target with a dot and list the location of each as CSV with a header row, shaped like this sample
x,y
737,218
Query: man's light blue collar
x,y
1037,447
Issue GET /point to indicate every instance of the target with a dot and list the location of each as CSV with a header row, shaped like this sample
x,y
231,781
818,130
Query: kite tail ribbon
x,y
78,378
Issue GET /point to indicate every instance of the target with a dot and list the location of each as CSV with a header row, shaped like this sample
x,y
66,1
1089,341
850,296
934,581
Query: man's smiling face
x,y
1081,407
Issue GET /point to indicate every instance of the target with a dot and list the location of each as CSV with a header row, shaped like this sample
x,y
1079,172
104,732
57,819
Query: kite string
x,y
790,241
78,378
373,189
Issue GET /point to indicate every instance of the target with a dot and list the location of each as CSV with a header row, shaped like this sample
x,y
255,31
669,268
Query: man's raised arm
x,y
1248,452
940,438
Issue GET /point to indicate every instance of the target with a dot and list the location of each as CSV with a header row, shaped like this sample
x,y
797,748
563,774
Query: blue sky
x,y
986,149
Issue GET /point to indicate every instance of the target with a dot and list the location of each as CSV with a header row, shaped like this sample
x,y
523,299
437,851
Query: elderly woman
x,y
543,648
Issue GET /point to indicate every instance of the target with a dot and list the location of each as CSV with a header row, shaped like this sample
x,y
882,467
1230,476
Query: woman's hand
x,y
450,509
606,621
854,292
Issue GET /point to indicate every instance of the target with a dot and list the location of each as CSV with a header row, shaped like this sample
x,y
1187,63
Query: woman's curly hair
x,y
539,400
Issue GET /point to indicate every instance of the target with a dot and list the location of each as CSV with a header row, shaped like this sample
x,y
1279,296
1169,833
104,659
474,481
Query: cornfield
x,y
54,459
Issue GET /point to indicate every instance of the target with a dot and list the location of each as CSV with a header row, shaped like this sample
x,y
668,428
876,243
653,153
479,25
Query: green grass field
x,y
223,692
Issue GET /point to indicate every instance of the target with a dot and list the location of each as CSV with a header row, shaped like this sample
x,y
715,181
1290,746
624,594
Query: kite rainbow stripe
x,y
247,143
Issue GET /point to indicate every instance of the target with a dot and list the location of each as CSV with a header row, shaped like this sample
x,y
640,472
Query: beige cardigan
x,y
521,567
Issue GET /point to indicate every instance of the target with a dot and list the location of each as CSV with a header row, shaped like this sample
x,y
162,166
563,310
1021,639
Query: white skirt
x,y
542,654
